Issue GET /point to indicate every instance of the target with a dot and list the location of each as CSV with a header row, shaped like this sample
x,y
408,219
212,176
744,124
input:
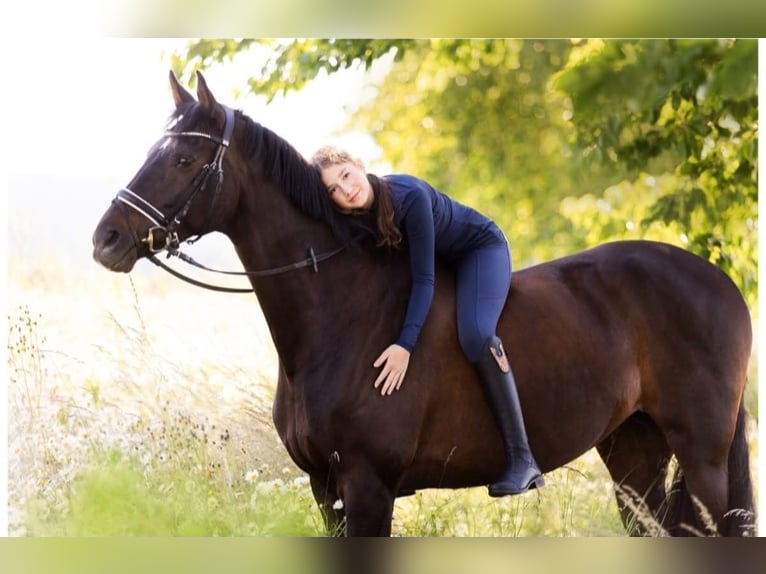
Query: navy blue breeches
x,y
483,281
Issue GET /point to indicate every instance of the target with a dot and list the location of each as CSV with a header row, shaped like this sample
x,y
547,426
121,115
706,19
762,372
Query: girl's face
x,y
348,185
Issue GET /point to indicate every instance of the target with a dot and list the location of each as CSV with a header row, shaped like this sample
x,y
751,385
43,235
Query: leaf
x,y
736,76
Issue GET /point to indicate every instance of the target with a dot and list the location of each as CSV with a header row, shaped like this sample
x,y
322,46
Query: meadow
x,y
141,406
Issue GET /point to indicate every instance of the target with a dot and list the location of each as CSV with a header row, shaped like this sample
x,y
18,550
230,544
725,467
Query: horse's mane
x,y
287,169
301,182
284,166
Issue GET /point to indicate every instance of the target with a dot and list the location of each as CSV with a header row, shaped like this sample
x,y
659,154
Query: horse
x,y
637,348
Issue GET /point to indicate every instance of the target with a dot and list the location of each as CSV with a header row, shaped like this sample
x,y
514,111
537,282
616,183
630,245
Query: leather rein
x,y
163,235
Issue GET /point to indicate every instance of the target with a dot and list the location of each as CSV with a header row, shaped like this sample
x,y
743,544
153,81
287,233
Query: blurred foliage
x,y
682,117
294,63
566,144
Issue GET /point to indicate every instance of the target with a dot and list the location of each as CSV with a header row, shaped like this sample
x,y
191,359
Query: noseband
x,y
167,225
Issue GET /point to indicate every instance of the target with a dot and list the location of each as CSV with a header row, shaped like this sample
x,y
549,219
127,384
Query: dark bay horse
x,y
637,348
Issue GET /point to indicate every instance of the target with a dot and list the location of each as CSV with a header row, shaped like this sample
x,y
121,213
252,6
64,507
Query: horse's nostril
x,y
111,237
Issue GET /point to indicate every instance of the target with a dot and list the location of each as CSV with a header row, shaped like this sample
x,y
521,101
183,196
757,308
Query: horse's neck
x,y
269,231
300,306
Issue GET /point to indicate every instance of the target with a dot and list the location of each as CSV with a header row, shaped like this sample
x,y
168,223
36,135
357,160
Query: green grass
x,y
577,500
119,429
116,495
119,495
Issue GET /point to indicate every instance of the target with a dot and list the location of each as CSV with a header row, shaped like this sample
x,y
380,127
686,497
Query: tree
x,y
564,143
680,116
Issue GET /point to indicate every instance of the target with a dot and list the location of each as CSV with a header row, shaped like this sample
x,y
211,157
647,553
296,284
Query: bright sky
x,y
85,111
99,104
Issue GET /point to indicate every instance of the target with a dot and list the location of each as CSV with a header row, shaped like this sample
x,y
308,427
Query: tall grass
x,y
130,418
125,417
577,500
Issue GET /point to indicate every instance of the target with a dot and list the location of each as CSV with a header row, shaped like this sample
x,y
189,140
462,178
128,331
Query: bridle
x,y
166,226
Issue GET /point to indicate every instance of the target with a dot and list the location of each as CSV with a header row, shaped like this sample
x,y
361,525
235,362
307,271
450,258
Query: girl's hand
x,y
395,360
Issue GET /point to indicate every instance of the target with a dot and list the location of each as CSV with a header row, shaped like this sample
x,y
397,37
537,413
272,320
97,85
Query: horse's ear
x,y
180,95
204,95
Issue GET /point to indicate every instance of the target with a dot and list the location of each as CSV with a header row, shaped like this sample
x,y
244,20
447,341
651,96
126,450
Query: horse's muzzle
x,y
113,250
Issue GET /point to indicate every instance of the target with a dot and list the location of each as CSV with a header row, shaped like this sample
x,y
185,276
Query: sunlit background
x,y
82,126
82,111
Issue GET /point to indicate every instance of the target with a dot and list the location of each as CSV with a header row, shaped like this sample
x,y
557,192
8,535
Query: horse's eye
x,y
184,161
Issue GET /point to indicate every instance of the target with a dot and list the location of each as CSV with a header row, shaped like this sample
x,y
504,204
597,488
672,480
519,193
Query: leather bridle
x,y
163,235
169,224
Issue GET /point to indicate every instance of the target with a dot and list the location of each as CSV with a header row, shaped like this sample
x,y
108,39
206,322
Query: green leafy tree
x,y
680,117
564,143
291,63
476,118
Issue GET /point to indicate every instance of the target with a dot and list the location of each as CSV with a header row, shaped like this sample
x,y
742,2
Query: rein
x,y
168,225
312,260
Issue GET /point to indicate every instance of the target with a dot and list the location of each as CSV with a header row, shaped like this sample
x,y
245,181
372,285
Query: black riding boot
x,y
521,472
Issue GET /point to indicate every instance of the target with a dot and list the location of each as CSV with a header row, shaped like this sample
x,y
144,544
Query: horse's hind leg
x,y
701,493
699,422
637,457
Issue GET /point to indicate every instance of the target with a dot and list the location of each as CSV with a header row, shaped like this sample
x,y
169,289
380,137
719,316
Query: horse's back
x,y
643,277
632,325
595,336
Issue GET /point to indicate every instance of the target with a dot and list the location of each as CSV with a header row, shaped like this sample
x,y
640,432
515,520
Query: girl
x,y
408,209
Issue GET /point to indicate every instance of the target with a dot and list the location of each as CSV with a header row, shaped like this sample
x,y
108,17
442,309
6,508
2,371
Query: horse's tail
x,y
740,520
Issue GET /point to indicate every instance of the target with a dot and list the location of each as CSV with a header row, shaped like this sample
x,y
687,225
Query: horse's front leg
x,y
368,502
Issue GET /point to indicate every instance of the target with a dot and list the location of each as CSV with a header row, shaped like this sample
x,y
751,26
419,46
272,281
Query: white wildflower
x,y
270,486
338,505
251,476
301,481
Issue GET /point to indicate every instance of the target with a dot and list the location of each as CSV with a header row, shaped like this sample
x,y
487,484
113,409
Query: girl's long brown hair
x,y
388,232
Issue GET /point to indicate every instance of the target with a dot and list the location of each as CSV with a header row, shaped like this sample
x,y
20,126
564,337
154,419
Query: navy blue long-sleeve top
x,y
433,224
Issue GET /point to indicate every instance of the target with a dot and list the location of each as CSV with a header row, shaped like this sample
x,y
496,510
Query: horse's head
x,y
180,191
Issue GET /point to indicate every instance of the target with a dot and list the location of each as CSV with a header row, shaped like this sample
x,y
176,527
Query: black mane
x,y
299,180
285,167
